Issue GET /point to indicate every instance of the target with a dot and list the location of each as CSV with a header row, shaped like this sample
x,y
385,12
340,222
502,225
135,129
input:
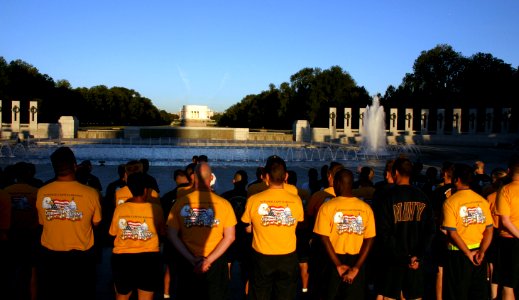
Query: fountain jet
x,y
374,131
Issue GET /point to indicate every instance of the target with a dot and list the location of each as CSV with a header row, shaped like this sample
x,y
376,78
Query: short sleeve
x,y
449,216
230,218
174,215
246,217
323,222
370,226
503,202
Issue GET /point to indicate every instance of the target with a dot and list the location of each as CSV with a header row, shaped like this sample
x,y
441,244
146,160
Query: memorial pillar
x,y
362,114
424,121
409,121
440,121
456,121
15,116
489,119
347,121
33,116
473,117
393,121
1,114
506,115
332,123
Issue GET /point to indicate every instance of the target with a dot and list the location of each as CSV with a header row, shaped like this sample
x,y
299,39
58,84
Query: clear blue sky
x,y
216,52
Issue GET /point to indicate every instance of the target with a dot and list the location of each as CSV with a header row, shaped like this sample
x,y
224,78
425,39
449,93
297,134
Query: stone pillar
x,y
362,115
489,120
332,123
1,114
456,121
424,121
302,131
440,121
506,115
33,116
347,121
69,126
393,121
409,121
473,120
15,116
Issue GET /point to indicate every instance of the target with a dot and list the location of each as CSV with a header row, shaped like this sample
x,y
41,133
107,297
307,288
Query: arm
x,y
341,268
223,245
507,223
485,242
363,254
175,240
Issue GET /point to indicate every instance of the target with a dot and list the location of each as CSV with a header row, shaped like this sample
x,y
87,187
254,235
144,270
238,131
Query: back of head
x,y
203,158
463,173
276,168
145,164
513,165
260,173
334,168
203,174
22,172
292,177
241,178
121,169
137,183
190,170
343,182
179,173
448,169
403,166
133,166
63,161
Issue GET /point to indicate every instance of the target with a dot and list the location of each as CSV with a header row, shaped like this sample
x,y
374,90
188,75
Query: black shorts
x,y
303,245
274,275
462,279
397,277
335,288
141,271
509,262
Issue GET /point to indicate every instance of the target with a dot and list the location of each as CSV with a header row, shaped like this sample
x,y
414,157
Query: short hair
x,y
513,164
403,166
260,172
203,158
464,173
145,164
448,168
241,177
63,161
179,173
334,168
203,171
136,183
276,168
343,181
133,166
190,169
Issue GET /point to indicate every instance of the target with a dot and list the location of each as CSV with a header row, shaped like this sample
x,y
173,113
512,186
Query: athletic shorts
x,y
509,262
398,277
335,288
303,245
141,271
462,279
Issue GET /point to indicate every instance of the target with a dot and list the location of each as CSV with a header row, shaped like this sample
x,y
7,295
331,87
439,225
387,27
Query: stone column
x,y
506,115
347,121
393,121
489,120
332,123
15,116
302,131
69,127
424,121
33,116
456,121
362,115
408,121
440,121
473,120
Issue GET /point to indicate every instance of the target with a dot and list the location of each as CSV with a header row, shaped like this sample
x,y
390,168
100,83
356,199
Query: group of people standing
x,y
346,239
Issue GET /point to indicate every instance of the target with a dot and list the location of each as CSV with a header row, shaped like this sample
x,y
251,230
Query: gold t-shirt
x,y
67,210
469,214
347,222
507,205
136,227
200,218
123,194
274,214
317,199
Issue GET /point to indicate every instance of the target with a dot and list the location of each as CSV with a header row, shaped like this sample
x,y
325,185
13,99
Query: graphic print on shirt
x,y
134,230
61,209
472,215
348,223
198,217
275,215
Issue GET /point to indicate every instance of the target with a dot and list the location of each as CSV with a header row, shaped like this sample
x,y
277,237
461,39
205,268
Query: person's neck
x,y
69,177
137,199
273,185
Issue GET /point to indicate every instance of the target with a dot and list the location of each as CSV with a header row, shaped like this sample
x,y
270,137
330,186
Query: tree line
x,y
441,78
98,105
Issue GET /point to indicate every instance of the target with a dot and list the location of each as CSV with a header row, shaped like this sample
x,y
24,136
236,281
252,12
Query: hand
x,y
472,257
478,258
342,269
350,275
414,263
202,266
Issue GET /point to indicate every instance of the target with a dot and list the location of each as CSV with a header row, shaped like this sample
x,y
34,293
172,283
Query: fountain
x,y
374,133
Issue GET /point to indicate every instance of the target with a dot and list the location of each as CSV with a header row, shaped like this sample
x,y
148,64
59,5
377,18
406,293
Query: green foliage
x,y
98,105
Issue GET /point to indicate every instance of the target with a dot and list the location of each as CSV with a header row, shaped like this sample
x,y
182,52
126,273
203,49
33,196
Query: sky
x,y
215,53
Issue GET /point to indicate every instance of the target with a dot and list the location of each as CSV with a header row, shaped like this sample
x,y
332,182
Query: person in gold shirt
x,y
273,215
468,222
124,193
346,226
201,226
68,211
137,225
507,209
